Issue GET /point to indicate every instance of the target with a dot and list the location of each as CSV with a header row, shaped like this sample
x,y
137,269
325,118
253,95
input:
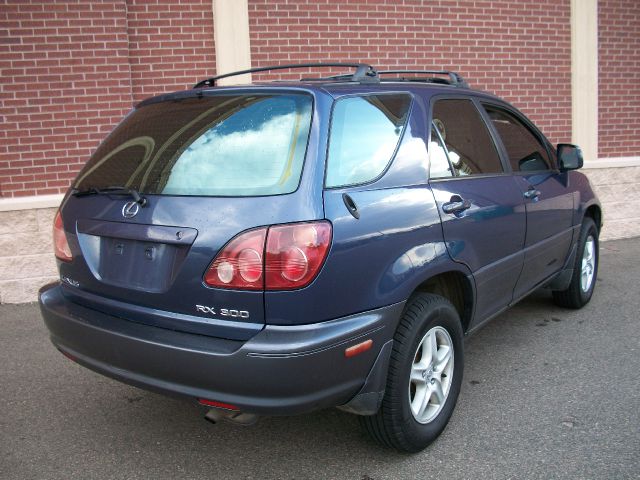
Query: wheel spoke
x,y
589,251
427,351
420,399
425,400
436,387
433,342
442,358
416,373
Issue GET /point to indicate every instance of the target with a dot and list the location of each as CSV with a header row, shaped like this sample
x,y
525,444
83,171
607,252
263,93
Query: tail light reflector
x,y
295,253
216,404
239,265
291,259
60,243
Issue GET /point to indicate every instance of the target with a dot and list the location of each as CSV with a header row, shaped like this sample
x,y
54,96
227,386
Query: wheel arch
x,y
594,212
456,287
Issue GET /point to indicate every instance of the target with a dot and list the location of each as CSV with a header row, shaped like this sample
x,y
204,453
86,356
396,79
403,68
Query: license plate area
x,y
138,257
139,265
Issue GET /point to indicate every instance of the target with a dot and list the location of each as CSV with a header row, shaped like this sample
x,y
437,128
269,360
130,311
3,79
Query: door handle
x,y
532,193
456,205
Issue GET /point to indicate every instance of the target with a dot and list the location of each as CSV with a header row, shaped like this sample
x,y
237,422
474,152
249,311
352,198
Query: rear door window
x,y
220,145
365,132
469,145
526,152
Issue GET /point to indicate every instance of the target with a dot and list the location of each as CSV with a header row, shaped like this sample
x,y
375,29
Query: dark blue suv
x,y
282,247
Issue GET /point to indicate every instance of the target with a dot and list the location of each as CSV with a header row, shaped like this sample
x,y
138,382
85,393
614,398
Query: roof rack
x,y
455,79
362,73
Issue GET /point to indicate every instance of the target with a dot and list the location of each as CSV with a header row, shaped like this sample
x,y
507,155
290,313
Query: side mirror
x,y
569,157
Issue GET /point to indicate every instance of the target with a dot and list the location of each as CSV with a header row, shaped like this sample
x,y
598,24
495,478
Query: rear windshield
x,y
222,145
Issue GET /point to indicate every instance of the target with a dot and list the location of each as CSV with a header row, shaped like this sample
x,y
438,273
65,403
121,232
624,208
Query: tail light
x,y
295,254
239,265
60,243
282,257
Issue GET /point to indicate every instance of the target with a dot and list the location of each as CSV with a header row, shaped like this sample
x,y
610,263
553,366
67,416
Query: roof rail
x,y
363,72
455,79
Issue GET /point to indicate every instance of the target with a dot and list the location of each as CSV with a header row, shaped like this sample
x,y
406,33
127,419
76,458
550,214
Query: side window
x,y
466,137
365,132
439,166
526,152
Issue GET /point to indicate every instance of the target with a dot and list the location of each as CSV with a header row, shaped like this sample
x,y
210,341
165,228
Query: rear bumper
x,y
281,370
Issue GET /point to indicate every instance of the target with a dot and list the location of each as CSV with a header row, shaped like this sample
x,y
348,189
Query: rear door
x,y
548,201
209,166
480,205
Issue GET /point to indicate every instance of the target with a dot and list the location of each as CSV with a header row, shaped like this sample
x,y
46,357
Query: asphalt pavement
x,y
547,393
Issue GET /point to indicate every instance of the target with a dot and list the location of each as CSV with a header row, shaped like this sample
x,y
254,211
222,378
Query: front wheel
x,y
585,269
425,375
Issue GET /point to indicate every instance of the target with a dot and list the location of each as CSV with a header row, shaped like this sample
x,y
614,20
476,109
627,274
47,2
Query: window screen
x,y
365,132
525,151
466,137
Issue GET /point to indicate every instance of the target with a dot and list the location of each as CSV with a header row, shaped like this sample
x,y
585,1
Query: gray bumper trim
x,y
281,370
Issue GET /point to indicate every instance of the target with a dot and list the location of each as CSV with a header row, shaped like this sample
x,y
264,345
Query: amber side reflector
x,y
358,348
213,403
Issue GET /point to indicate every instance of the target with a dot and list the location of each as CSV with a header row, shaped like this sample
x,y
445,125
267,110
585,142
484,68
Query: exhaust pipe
x,y
216,415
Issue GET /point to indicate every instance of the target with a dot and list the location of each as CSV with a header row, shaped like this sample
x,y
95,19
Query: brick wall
x,y
170,44
70,70
619,78
518,50
65,81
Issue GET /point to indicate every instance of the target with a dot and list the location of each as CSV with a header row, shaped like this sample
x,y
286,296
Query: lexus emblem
x,y
130,209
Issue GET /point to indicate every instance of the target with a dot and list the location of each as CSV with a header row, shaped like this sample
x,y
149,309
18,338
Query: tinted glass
x,y
526,152
438,160
470,146
365,132
243,145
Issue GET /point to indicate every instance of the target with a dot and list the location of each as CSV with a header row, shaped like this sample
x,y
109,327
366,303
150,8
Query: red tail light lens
x,y
60,244
240,264
295,253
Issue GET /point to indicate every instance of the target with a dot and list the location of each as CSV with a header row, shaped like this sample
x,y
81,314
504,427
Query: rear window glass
x,y
365,132
222,145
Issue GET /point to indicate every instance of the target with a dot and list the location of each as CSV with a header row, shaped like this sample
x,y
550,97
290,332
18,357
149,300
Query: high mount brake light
x,y
281,257
60,243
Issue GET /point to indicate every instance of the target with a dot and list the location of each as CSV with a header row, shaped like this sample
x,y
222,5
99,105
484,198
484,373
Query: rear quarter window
x,y
365,132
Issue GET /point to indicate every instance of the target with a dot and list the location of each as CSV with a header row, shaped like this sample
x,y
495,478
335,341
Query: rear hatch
x,y
206,166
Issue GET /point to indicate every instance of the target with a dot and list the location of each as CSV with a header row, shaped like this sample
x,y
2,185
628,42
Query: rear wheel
x,y
585,269
425,374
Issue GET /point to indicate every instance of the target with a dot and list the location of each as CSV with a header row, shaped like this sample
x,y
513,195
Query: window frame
x,y
395,151
506,169
528,124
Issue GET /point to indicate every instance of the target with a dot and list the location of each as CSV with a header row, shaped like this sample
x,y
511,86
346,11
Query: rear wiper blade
x,y
112,191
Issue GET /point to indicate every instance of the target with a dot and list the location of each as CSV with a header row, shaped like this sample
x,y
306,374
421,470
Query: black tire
x,y
575,296
395,425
